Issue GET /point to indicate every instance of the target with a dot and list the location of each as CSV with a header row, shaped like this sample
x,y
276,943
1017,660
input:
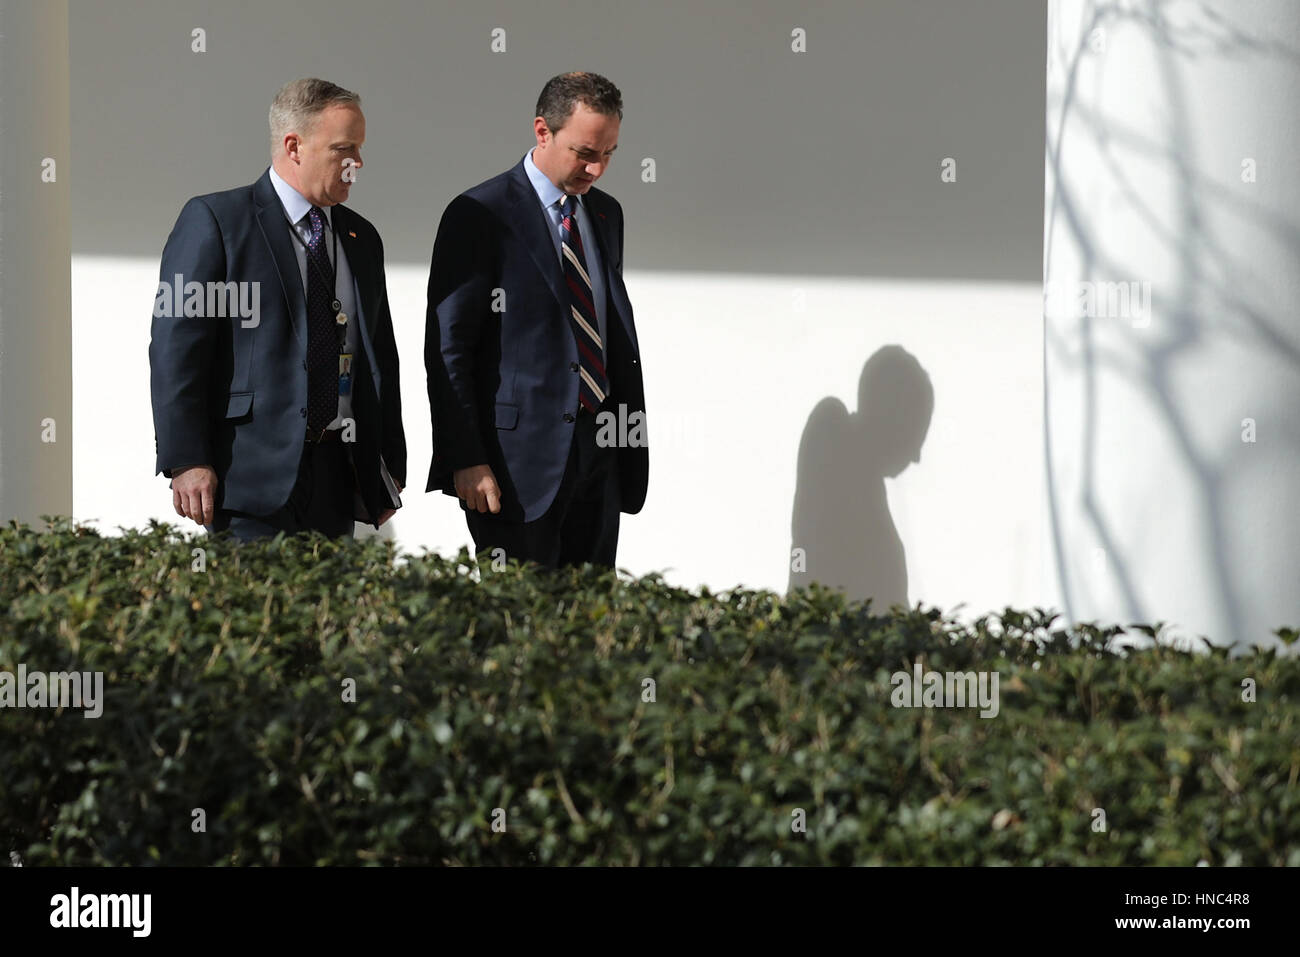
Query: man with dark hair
x,y
274,372
534,371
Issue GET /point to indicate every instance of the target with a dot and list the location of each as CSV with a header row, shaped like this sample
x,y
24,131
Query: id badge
x,y
345,373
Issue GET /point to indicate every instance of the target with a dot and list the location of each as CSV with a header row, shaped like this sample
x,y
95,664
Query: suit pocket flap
x,y
507,416
241,403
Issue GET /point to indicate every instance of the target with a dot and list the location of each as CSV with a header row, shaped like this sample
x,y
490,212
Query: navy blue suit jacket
x,y
235,397
502,372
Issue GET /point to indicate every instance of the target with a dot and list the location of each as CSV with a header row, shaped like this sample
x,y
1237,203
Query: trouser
x,y
321,500
582,523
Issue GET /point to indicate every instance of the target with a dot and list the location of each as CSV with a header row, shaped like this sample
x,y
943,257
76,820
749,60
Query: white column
x,y
35,286
1172,314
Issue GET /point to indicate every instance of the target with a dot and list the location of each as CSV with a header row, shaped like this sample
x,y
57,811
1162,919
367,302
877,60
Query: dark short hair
x,y
564,92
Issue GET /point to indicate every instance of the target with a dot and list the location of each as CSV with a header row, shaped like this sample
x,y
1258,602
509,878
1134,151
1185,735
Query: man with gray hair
x,y
274,372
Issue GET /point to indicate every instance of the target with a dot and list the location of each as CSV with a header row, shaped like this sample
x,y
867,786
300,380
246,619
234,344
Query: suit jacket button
x,y
573,367
303,413
568,417
304,365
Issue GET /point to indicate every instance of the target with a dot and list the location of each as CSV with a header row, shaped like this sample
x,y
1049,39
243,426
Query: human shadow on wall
x,y
842,533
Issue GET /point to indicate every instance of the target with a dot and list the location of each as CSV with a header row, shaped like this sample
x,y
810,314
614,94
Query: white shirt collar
x,y
547,192
296,206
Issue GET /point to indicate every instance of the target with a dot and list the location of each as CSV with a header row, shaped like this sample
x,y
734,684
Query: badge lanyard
x,y
336,305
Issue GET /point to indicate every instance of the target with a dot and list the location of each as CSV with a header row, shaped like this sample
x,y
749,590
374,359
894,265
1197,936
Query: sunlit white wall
x,y
1175,423
733,367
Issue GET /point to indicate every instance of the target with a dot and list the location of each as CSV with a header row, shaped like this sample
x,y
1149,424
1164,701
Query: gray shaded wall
x,y
35,284
824,162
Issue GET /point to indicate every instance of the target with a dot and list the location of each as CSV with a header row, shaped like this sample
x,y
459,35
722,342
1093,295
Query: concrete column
x,y
35,262
1172,314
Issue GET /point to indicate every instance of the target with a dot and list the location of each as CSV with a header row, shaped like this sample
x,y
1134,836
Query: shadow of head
x,y
895,404
842,532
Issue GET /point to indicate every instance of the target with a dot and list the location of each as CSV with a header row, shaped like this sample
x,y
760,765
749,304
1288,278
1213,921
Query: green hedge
x,y
524,691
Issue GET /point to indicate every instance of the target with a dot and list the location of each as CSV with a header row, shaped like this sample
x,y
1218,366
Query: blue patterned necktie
x,y
322,339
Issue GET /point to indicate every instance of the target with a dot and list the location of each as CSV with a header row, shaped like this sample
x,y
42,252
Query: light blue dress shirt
x,y
548,194
296,207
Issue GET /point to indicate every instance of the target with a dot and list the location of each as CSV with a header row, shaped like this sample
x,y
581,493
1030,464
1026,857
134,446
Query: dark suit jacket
x,y
503,382
235,398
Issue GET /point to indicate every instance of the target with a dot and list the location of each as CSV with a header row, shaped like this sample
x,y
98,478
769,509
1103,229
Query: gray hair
x,y
296,106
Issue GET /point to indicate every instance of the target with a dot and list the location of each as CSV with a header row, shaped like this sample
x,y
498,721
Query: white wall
x,y
1175,427
726,417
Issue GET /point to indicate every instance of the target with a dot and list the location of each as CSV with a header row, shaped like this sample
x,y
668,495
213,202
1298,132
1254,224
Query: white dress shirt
x,y
296,207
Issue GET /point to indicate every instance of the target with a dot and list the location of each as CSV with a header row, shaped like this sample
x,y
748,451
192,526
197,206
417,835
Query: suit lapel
x,y
613,281
275,230
527,215
365,284
596,216
359,261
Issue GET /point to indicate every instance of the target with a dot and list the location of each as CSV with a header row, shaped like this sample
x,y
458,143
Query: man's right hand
x,y
194,492
477,487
